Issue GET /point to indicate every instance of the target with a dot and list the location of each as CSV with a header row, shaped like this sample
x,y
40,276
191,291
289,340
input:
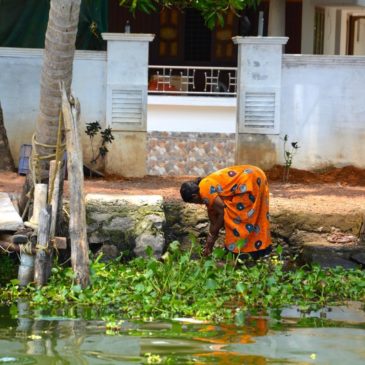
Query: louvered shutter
x,y
127,108
261,111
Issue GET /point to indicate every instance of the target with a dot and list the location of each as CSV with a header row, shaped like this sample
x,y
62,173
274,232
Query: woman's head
x,y
189,191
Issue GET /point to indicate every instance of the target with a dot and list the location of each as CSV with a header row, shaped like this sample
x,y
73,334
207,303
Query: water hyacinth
x,y
217,288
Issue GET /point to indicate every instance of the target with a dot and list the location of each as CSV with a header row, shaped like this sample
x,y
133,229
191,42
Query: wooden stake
x,y
40,202
42,265
78,236
362,230
54,176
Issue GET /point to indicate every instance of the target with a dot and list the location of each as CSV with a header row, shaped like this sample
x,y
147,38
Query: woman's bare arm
x,y
216,217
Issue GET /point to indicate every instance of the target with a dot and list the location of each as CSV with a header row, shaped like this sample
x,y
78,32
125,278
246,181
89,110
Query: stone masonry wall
x,y
133,223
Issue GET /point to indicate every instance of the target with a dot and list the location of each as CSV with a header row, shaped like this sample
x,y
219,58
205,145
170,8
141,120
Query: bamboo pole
x,y
78,236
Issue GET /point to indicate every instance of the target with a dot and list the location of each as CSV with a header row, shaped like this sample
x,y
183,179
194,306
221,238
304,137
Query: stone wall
x,y
132,223
182,153
129,223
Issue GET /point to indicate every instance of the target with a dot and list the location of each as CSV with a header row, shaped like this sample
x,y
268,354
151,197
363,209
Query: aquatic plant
x,y
215,288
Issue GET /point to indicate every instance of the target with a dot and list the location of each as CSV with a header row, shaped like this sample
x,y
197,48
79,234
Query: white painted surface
x,y
335,28
10,220
259,82
127,75
276,26
323,109
322,103
191,114
20,71
307,27
329,31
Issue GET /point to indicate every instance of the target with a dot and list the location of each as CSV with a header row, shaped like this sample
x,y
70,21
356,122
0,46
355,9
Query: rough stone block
x,y
130,223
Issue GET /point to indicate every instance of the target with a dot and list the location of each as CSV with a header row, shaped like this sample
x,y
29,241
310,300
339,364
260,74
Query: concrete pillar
x,y
258,99
126,104
276,26
308,14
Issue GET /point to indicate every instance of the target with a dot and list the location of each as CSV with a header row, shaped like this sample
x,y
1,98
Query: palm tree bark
x,y
57,66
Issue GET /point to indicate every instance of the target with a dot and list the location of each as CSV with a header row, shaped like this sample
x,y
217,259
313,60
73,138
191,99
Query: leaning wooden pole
x,y
79,244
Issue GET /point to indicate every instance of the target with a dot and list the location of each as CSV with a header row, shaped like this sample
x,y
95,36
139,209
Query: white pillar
x,y
258,99
126,105
308,14
276,26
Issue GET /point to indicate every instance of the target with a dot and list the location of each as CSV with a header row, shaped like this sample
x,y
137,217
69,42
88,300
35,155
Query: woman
x,y
237,198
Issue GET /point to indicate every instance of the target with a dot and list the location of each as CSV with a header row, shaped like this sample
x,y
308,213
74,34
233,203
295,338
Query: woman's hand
x,y
209,244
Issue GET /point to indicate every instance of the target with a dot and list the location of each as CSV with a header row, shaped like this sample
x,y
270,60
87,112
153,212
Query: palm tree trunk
x,y
57,66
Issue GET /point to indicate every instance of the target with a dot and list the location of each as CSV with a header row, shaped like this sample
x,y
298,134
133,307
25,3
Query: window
x,y
197,45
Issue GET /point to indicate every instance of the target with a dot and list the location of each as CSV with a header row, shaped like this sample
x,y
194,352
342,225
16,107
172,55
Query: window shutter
x,y
261,112
127,108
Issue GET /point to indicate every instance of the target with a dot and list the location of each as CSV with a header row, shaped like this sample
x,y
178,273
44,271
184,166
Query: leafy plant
x,y
92,130
216,288
212,11
288,157
8,269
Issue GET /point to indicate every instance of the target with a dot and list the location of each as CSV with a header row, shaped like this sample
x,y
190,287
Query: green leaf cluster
x,y
92,130
211,10
217,288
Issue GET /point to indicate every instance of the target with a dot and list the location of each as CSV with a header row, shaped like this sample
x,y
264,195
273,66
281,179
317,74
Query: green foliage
x,y
92,130
7,269
210,288
212,10
288,157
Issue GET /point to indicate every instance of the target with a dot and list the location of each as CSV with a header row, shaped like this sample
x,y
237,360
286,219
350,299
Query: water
x,y
334,336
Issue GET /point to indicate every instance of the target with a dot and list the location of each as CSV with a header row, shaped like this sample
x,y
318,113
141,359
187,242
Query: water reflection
x,y
28,337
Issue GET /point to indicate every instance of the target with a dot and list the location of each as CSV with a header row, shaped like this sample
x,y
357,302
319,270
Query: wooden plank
x,y
77,227
60,243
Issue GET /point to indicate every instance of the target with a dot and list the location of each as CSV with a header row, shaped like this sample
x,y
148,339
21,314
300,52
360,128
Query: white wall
x,y
20,71
322,104
191,114
322,107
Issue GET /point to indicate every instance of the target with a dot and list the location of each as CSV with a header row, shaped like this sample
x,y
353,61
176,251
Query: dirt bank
x,y
336,190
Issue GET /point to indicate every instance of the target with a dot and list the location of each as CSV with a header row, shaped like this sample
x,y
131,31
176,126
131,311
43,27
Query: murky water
x,y
335,336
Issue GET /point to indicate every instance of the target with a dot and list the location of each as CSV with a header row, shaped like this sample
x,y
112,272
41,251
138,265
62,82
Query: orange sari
x,y
245,192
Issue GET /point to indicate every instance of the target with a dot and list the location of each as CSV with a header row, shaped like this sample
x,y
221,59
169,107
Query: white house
x,y
315,100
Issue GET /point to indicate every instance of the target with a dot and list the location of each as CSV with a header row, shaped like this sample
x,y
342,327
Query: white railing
x,y
192,80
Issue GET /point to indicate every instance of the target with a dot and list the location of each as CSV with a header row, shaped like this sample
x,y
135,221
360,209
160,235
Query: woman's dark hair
x,y
189,188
